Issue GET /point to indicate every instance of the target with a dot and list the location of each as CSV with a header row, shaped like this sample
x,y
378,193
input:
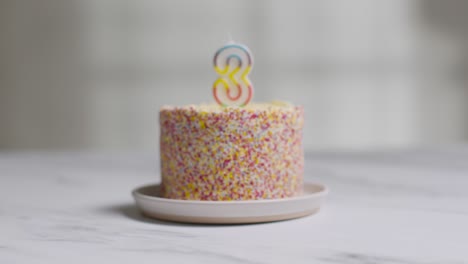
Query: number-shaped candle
x,y
233,62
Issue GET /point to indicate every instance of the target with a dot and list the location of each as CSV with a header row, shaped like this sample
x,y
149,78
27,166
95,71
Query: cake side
x,y
214,153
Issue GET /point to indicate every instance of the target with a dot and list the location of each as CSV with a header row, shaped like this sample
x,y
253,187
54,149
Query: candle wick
x,y
230,40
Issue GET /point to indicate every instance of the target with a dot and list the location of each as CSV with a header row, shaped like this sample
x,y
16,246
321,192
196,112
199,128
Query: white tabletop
x,y
388,207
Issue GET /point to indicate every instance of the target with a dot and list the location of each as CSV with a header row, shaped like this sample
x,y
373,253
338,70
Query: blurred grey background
x,y
84,74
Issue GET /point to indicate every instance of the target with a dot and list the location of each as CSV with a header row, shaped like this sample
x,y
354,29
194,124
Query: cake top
x,y
214,108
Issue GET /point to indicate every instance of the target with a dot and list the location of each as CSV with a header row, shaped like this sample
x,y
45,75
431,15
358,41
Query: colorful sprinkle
x,y
215,153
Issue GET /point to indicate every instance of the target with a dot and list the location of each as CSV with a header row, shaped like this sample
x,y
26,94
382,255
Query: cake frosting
x,y
209,152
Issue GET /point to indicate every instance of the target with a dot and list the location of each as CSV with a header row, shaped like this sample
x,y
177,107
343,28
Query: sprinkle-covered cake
x,y
233,150
210,152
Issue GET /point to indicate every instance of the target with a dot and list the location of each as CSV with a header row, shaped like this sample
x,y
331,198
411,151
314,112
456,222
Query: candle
x,y
232,63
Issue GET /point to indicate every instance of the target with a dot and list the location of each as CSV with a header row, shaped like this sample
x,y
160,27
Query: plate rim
x,y
136,193
229,220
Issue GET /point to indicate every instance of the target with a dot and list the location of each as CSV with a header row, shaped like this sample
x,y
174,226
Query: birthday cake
x,y
233,150
213,153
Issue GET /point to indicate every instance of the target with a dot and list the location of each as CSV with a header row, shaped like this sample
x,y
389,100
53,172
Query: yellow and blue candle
x,y
233,87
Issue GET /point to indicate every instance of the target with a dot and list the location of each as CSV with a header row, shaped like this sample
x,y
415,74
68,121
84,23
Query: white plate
x,y
229,212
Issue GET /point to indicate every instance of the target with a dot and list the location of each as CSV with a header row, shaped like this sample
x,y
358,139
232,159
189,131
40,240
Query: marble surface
x,y
384,207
